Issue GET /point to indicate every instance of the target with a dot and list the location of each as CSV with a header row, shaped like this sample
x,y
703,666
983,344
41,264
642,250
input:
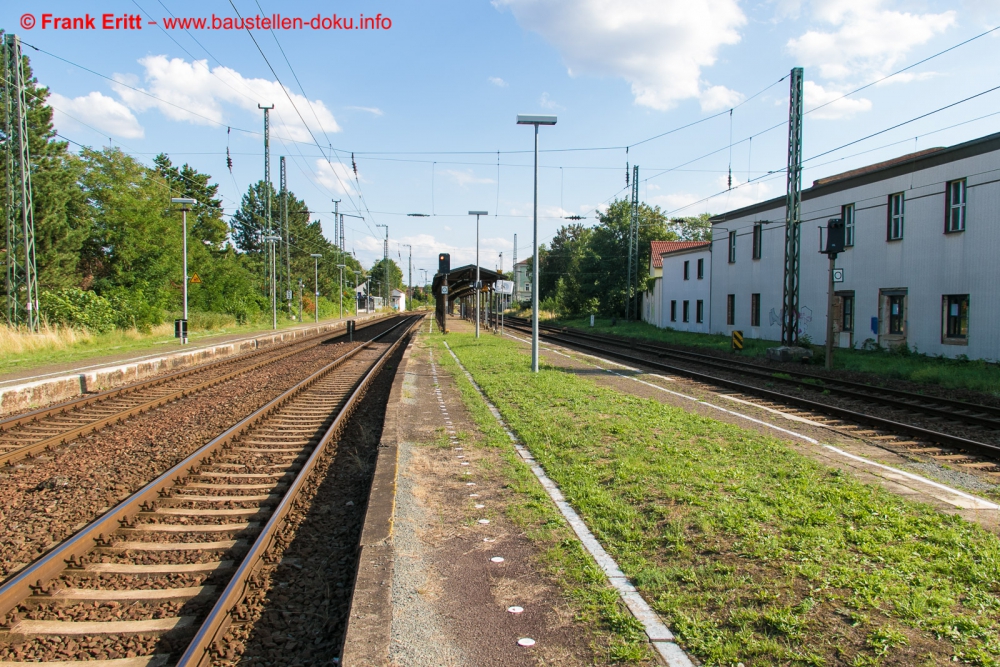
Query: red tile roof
x,y
660,247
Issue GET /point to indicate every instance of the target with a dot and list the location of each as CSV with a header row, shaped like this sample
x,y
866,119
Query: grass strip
x,y
751,552
618,636
903,364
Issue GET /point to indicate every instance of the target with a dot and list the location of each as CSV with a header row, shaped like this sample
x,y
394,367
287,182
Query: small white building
x,y
686,287
522,281
652,300
398,300
920,267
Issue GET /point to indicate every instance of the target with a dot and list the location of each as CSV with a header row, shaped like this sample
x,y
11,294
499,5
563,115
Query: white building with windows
x,y
920,267
652,299
522,280
685,289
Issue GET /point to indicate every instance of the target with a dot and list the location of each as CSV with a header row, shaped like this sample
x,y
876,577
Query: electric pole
x,y
269,263
385,262
22,271
633,240
793,202
513,267
409,277
284,226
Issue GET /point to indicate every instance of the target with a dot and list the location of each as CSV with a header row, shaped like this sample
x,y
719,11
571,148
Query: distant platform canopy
x,y
461,281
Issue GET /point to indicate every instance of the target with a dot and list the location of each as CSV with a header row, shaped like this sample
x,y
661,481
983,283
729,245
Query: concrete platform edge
x,y
30,395
369,623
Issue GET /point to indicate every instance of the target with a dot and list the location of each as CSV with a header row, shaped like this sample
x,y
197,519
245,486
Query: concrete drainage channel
x,y
659,635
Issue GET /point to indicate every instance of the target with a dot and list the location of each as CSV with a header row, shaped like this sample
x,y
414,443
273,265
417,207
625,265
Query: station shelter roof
x,y
461,281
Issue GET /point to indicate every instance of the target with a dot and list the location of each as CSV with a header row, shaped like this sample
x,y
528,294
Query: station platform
x,y
447,576
52,383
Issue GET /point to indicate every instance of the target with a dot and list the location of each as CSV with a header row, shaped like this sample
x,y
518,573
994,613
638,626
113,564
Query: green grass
x,y
21,352
619,638
974,375
750,551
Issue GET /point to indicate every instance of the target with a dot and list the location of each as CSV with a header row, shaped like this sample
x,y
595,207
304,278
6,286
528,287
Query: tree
x,y
603,269
377,273
692,228
206,224
60,219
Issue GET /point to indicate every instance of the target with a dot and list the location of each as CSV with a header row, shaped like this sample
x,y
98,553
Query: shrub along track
x,y
163,575
46,498
948,431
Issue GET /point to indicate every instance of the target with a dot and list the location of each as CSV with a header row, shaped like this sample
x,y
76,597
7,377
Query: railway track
x,y
897,433
160,578
29,434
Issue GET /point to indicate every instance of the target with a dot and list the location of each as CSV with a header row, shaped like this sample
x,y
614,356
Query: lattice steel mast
x,y
22,271
285,236
793,203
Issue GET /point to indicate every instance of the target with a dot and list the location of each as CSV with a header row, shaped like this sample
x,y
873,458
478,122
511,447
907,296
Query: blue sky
x,y
426,104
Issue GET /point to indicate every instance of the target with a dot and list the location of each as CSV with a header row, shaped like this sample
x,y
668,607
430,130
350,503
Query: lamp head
x,y
478,213
187,201
535,119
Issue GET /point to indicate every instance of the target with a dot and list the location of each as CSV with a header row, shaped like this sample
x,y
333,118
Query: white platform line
x,y
658,633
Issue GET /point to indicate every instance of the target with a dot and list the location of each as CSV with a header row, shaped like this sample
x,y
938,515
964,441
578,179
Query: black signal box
x,y
444,263
835,237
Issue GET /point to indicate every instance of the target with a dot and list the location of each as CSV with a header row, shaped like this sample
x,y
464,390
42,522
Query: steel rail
x,y
20,586
218,620
954,441
855,390
45,444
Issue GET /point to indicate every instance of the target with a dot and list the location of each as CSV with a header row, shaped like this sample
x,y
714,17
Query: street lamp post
x,y
478,286
357,278
184,202
316,283
341,267
523,119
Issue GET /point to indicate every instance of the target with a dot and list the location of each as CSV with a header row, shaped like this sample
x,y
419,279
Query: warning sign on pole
x,y
195,280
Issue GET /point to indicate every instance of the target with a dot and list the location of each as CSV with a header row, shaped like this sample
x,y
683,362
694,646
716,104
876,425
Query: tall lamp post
x,y
527,119
357,278
316,283
184,202
478,286
341,267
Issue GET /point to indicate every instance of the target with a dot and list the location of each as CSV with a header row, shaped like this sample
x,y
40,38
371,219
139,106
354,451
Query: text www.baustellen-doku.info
x,y
48,21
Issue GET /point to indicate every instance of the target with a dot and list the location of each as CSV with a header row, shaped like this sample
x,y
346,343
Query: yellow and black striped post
x,y
737,340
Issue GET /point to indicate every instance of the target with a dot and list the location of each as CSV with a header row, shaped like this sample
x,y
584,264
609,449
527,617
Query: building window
x,y
731,309
755,310
956,317
673,311
732,247
701,269
847,215
847,318
955,207
896,316
896,204
687,272
758,232
685,311
699,311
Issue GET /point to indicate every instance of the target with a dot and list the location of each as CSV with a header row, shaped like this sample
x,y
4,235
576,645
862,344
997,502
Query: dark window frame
x,y
758,240
731,310
955,328
732,247
755,310
673,310
847,305
687,270
699,311
686,311
893,231
897,321
848,215
701,269
950,207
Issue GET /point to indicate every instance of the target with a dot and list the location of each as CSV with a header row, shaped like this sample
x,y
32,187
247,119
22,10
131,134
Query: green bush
x,y
79,309
134,308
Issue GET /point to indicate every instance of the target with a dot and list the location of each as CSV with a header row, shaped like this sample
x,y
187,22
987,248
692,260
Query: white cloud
x,y
686,203
197,95
498,82
99,111
866,39
548,103
717,98
375,111
816,95
464,178
336,177
658,46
